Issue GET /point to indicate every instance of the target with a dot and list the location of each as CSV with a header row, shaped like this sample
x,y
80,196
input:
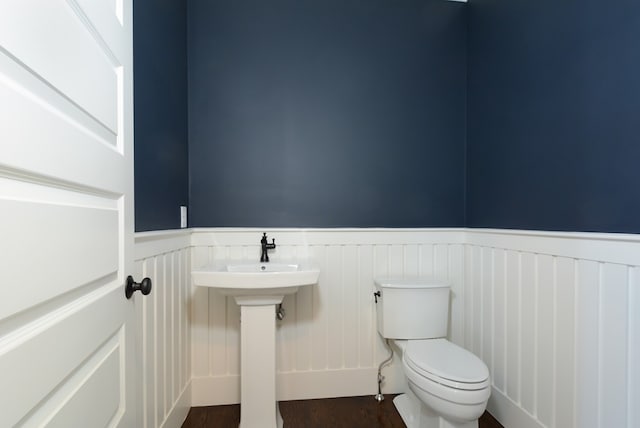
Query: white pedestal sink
x,y
257,288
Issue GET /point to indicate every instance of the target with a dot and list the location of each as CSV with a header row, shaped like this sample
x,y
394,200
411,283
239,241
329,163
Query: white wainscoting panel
x,y
555,316
164,331
328,344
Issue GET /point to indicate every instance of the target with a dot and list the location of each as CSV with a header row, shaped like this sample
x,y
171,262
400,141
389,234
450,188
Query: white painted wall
x,y
163,327
556,317
328,344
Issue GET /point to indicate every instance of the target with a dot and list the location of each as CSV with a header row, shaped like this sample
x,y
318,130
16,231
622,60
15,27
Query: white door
x,y
66,226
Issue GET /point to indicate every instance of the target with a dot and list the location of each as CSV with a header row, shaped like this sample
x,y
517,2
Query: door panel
x,y
66,198
54,236
58,44
43,132
96,383
53,348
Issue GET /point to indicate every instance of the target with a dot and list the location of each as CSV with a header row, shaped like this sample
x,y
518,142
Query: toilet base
x,y
417,415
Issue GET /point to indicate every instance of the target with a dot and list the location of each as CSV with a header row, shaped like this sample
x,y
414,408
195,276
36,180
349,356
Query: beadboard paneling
x,y
554,316
328,343
555,319
164,327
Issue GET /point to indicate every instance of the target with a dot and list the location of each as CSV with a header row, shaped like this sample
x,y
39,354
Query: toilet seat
x,y
447,364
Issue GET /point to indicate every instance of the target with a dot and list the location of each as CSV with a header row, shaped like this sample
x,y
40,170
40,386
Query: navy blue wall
x,y
160,113
327,113
554,115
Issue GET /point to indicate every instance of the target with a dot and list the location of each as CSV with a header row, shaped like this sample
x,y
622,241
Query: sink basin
x,y
243,278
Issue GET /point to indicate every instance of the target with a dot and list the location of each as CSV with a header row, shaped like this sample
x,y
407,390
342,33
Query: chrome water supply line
x,y
379,397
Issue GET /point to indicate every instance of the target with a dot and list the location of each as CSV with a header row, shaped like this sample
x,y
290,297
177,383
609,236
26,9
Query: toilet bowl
x,y
448,386
448,379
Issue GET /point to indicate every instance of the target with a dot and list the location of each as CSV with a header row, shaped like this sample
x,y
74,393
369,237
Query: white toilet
x,y
448,385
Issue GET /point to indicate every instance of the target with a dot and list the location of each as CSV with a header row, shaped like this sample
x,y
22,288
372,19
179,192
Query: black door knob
x,y
144,286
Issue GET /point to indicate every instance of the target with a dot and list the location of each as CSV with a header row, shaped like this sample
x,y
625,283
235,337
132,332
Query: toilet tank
x,y
412,308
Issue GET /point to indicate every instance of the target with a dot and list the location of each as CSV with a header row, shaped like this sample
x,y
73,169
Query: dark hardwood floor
x,y
350,412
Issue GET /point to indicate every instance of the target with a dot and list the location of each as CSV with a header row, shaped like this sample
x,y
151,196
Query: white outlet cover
x,y
183,216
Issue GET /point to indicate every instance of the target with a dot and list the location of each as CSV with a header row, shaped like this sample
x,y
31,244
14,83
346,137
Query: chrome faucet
x,y
264,257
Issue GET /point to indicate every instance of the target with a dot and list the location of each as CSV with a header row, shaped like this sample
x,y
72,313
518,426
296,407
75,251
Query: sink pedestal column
x,y
257,288
258,405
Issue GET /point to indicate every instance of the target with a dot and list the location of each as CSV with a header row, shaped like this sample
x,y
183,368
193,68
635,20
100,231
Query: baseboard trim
x,y
508,413
220,390
180,409
326,384
215,390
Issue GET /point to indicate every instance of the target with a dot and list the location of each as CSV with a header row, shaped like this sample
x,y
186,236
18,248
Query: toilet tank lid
x,y
418,282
